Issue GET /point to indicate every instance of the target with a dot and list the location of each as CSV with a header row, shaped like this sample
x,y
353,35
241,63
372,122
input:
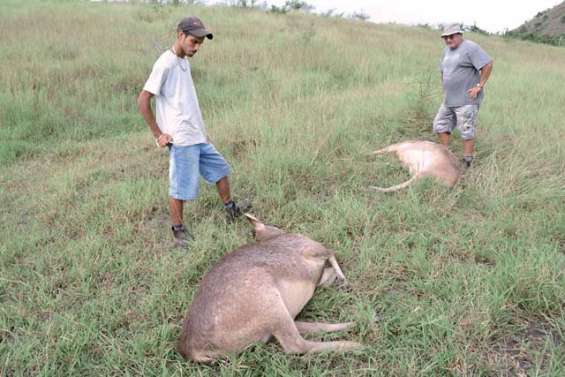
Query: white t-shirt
x,y
177,110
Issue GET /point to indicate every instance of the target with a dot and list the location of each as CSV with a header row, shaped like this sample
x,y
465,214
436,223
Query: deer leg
x,y
291,341
328,277
314,327
397,187
336,267
389,149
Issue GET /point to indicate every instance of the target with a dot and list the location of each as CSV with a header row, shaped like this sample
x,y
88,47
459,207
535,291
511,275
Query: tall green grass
x,y
467,281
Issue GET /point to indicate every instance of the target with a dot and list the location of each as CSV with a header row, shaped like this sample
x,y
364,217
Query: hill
x,y
547,26
468,281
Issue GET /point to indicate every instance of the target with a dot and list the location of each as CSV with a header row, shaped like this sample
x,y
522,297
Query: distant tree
x,y
290,5
280,10
427,26
475,29
331,13
299,5
360,15
244,3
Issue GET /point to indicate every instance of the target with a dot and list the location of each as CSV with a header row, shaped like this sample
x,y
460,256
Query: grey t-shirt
x,y
460,71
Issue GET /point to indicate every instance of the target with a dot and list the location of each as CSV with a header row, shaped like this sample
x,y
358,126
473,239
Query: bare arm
x,y
485,74
144,106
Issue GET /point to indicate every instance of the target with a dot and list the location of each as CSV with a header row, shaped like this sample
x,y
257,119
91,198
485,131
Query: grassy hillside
x,y
468,281
547,26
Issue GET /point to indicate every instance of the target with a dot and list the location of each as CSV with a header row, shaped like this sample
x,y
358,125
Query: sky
x,y
491,15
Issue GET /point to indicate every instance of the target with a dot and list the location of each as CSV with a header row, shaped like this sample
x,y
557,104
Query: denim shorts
x,y
463,118
187,164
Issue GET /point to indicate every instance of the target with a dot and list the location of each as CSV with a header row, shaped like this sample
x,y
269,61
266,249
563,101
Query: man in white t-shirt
x,y
179,126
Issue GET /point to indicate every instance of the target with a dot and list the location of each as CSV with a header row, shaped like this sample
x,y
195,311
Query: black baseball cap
x,y
194,26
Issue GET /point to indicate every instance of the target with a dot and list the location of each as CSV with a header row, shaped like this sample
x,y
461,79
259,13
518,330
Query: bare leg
x,y
314,327
469,147
443,138
223,186
176,210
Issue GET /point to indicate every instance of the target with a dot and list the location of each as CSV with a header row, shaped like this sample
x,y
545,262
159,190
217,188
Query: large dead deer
x,y
255,292
424,159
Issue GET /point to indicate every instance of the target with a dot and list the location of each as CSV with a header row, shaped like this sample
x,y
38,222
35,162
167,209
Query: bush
x,y
292,5
557,40
475,29
245,3
360,15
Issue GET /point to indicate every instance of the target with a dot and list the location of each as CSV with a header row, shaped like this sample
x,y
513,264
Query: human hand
x,y
163,140
474,92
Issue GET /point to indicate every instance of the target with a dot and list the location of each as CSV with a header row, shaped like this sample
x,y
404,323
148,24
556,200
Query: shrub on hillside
x,y
475,29
244,3
291,5
557,40
360,15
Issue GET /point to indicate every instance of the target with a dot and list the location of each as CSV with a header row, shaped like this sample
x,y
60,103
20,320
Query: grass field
x,y
462,282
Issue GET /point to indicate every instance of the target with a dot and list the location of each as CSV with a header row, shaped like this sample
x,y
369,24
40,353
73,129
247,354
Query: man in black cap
x,y
179,126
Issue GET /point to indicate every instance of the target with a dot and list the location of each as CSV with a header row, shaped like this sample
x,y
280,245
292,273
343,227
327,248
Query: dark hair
x,y
179,28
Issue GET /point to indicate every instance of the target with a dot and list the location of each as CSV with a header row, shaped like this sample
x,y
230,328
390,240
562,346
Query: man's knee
x,y
443,122
467,131
441,128
467,121
224,179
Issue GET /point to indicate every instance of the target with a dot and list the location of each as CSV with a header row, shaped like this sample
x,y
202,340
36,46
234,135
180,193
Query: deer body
x,y
255,292
424,159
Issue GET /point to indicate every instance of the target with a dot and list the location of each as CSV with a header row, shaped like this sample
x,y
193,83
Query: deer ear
x,y
262,231
252,219
259,227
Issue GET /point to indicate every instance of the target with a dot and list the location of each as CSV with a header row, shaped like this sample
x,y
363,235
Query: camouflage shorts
x,y
462,117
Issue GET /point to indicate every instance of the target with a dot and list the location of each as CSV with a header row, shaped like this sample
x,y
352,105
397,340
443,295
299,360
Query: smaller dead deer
x,y
424,159
255,292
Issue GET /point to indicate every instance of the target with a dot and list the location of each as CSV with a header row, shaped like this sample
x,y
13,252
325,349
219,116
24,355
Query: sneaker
x,y
467,162
181,235
234,210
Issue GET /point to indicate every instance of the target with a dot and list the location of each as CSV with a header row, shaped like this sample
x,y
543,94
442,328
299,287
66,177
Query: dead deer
x,y
424,159
255,292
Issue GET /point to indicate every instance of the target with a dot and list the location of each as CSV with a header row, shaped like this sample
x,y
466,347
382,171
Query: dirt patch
x,y
516,354
240,148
